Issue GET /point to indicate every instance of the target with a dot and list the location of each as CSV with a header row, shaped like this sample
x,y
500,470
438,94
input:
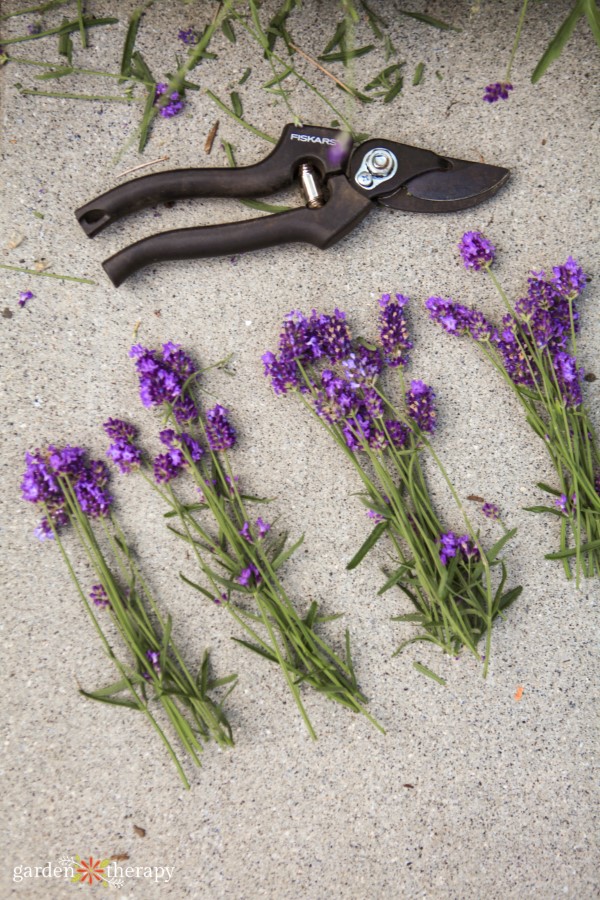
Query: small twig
x,y
69,96
47,274
321,68
210,138
142,166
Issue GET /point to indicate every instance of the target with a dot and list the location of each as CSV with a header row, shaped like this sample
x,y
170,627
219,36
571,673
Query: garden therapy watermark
x,y
89,870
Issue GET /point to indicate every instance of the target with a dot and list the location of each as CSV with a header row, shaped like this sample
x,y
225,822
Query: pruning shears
x,y
341,184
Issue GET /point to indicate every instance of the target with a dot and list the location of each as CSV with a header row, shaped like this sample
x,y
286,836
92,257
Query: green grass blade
x,y
584,548
368,545
425,671
429,20
557,44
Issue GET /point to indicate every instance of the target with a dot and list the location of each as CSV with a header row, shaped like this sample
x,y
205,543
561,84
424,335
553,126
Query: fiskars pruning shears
x,y
341,184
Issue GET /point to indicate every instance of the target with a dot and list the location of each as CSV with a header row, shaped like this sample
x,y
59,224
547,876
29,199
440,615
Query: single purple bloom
x,y
43,531
363,365
263,527
477,252
375,516
497,91
99,597
219,432
569,378
246,576
569,279
122,451
563,504
490,511
448,546
34,28
24,297
245,532
168,466
154,657
185,410
223,598
331,335
398,433
177,443
189,37
420,402
393,329
284,376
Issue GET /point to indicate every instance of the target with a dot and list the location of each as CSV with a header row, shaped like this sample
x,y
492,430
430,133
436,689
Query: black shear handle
x,y
304,143
321,227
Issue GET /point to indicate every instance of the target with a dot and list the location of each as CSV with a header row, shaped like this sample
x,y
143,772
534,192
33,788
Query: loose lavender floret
x,y
393,330
219,432
34,28
263,527
175,104
99,597
420,402
24,297
249,574
43,531
477,252
188,36
569,279
451,544
491,511
498,90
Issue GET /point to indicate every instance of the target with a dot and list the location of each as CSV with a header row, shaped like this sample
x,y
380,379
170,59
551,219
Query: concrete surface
x,y
471,794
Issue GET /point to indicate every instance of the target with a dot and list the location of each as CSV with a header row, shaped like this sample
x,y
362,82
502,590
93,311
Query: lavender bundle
x,y
71,490
535,350
237,552
446,575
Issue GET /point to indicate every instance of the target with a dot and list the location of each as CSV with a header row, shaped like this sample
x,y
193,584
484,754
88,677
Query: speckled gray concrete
x,y
470,794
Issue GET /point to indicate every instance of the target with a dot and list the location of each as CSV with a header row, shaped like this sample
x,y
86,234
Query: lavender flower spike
x,y
477,252
420,400
393,330
220,434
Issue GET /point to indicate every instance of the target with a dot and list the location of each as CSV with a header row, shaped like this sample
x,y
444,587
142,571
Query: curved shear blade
x,y
462,185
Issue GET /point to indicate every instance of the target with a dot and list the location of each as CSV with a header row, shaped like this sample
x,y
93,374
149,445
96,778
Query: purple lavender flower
x,y
248,574
162,375
219,432
568,377
363,365
477,252
178,442
34,28
491,511
88,479
569,279
189,37
420,402
43,531
284,375
99,597
263,527
451,544
154,657
245,532
185,410
375,516
222,598
24,297
393,330
175,104
564,504
398,433
497,91
122,451
332,334
168,466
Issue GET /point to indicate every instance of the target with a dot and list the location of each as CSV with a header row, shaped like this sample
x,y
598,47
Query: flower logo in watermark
x,y
91,871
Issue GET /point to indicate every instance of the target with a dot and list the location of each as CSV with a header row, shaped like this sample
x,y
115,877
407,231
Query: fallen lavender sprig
x,y
445,575
237,552
72,490
535,350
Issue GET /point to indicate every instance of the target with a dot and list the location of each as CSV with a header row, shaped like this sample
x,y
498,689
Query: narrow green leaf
x,y
345,55
285,554
584,548
256,649
544,509
548,489
429,20
277,79
115,688
54,73
65,44
165,643
311,615
593,16
425,671
368,545
236,103
557,44
509,597
418,76
495,550
394,91
245,76
227,29
270,208
219,682
197,587
338,37
147,119
418,618
111,700
140,69
393,579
